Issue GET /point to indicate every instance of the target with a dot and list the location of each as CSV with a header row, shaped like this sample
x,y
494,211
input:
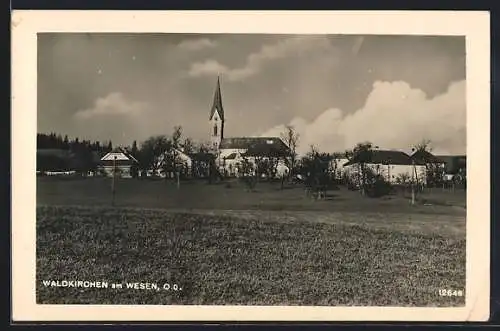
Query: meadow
x,y
224,245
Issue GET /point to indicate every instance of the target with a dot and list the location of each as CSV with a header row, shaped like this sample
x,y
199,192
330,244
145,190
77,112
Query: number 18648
x,y
450,293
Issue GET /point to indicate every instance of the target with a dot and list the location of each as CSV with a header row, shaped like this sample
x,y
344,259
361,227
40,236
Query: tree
x,y
152,152
66,142
110,147
314,168
188,146
433,170
134,170
134,149
176,141
248,174
423,146
291,139
362,154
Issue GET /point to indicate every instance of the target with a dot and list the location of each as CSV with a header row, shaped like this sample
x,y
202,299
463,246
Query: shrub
x,y
379,187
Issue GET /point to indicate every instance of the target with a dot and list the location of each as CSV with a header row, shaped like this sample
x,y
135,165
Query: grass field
x,y
224,245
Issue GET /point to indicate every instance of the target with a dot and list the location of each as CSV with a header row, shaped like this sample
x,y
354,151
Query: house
x,y
453,164
118,161
183,162
337,165
394,166
229,152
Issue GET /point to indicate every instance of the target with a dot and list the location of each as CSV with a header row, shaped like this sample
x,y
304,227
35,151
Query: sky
x,y
336,90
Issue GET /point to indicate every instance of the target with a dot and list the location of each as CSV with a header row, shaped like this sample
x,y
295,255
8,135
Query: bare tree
x,y
423,146
291,139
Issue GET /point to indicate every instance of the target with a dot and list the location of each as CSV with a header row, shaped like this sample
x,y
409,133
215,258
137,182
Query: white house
x,y
394,166
119,161
337,165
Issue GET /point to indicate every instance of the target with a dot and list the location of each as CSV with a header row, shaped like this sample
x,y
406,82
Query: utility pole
x,y
413,177
113,182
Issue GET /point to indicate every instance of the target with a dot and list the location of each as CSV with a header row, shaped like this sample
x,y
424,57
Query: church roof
x,y
217,104
255,144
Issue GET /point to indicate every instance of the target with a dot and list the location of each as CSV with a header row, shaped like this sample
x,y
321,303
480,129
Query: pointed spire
x,y
217,104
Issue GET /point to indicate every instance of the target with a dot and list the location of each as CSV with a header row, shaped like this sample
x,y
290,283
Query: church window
x,y
215,130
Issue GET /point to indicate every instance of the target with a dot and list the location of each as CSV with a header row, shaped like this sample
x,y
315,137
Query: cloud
x,y
207,68
196,44
113,104
395,116
297,46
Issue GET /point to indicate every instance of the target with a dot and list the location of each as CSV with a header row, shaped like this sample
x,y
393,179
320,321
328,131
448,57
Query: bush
x,y
378,188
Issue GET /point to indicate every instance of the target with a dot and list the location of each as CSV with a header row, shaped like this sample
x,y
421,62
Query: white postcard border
x,y
25,26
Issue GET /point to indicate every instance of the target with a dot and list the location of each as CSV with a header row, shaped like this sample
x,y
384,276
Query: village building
x,y
120,162
231,152
394,166
337,165
453,164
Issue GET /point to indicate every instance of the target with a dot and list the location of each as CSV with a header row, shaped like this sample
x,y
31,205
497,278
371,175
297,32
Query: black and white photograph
x,y
254,169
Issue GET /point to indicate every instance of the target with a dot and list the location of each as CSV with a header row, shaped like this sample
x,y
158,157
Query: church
x,y
231,151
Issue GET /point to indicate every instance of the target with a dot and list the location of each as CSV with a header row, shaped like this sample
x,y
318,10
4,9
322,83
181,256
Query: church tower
x,y
216,118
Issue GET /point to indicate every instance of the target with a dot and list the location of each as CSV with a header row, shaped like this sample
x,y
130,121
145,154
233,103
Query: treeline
x,y
58,153
57,141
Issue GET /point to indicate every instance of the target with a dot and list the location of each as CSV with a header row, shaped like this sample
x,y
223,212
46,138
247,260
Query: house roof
x,y
122,151
200,156
425,157
254,143
388,157
266,150
217,103
231,156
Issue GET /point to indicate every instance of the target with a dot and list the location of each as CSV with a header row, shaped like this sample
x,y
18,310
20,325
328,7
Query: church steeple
x,y
216,118
217,102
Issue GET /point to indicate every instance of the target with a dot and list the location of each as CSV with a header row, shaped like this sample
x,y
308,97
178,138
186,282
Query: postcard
x,y
250,166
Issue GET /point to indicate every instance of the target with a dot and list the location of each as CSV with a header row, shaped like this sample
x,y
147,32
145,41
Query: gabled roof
x,y
120,153
387,157
253,143
425,157
217,103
